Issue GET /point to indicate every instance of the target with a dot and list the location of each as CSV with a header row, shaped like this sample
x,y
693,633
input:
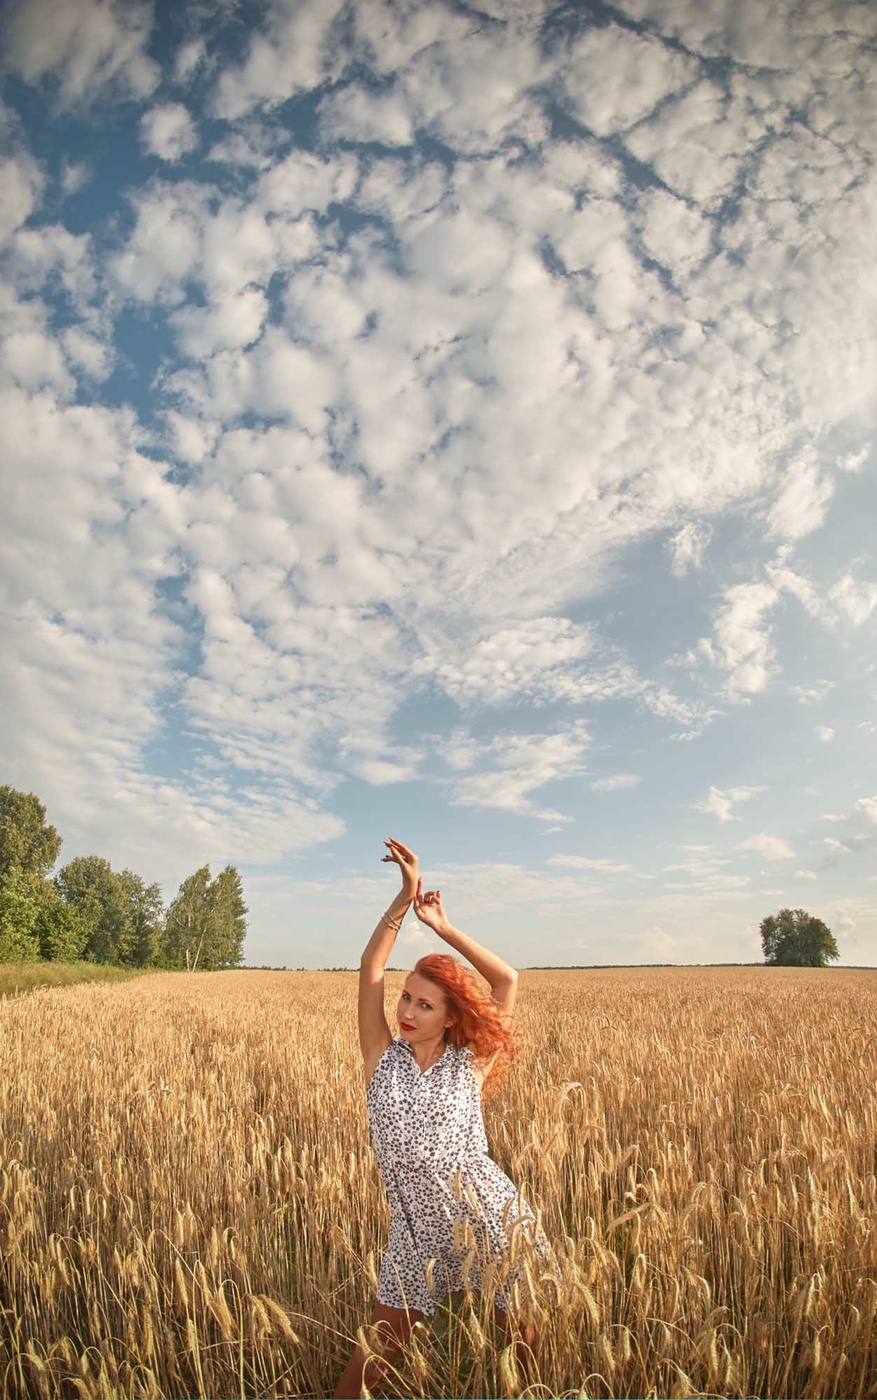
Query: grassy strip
x,y
16,978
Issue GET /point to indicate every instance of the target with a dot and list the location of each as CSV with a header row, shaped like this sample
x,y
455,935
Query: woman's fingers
x,y
409,855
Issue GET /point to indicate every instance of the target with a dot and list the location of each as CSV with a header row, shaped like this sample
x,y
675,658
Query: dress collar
x,y
410,1049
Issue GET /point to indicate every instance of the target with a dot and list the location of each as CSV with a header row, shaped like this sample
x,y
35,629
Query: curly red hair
x,y
478,1020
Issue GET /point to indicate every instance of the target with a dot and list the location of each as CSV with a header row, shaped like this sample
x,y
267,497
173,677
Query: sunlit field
x,y
189,1205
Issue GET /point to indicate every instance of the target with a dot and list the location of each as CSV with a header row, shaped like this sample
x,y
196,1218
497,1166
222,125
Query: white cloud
x,y
21,185
164,245
513,766
356,114
614,78
742,645
813,694
824,733
806,875
588,863
616,782
697,143
770,847
234,323
90,354
89,46
868,808
458,447
74,175
836,846
849,600
853,599
189,58
802,501
168,131
678,237
541,659
720,803
687,547
291,54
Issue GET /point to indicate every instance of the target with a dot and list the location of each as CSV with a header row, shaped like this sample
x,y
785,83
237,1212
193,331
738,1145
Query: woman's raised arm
x,y
500,975
374,1032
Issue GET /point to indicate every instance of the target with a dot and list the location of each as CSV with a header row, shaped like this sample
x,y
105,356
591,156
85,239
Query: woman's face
x,y
422,1011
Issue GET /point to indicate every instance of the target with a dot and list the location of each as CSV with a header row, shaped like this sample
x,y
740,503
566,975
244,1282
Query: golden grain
x,y
189,1204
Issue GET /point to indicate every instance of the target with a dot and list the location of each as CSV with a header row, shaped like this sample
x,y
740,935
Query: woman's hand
x,y
429,910
407,862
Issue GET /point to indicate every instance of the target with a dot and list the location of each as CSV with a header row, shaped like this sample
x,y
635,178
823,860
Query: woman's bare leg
x,y
388,1331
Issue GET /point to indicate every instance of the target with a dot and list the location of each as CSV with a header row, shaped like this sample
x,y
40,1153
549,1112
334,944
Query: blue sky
x,y
452,422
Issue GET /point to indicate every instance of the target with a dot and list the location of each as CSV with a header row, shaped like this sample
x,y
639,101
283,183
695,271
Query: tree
x,y
229,919
206,924
185,927
26,842
61,930
19,911
146,915
794,938
101,899
28,850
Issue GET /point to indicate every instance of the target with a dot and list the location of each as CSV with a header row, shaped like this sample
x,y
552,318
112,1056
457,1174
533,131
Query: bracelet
x,y
394,925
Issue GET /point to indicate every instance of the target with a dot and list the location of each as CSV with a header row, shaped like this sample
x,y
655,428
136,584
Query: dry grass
x,y
18,978
189,1205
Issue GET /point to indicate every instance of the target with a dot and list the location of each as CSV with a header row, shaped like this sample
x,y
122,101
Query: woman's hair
x,y
478,1020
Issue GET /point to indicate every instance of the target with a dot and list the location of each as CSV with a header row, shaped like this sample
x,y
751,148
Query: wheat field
x,y
189,1205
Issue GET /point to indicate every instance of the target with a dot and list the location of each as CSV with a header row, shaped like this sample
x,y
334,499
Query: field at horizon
x,y
189,1203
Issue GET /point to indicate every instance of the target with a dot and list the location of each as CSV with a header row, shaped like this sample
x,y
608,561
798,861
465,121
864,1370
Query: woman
x,y
426,1127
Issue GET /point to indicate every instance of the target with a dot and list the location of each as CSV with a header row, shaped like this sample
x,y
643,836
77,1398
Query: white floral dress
x,y
428,1135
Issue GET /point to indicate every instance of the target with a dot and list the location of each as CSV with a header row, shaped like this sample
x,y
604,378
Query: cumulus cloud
x,y
168,131
588,863
854,599
741,645
770,847
540,659
721,803
90,47
867,806
687,547
813,694
802,501
617,782
824,733
614,78
428,401
512,767
292,53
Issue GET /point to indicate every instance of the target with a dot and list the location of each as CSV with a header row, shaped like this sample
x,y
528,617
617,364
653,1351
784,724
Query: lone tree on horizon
x,y
794,938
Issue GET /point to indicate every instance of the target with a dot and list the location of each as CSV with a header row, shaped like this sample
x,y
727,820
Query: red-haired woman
x,y
423,1100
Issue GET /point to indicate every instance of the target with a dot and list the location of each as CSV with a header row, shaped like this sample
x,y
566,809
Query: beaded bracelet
x,y
393,924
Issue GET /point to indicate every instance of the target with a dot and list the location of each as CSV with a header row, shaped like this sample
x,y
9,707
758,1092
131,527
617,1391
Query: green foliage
x,y
121,914
206,924
19,912
104,916
89,886
146,914
26,842
62,932
794,938
28,849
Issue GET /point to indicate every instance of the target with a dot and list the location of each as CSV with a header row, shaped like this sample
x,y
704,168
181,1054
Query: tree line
x,y
91,912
